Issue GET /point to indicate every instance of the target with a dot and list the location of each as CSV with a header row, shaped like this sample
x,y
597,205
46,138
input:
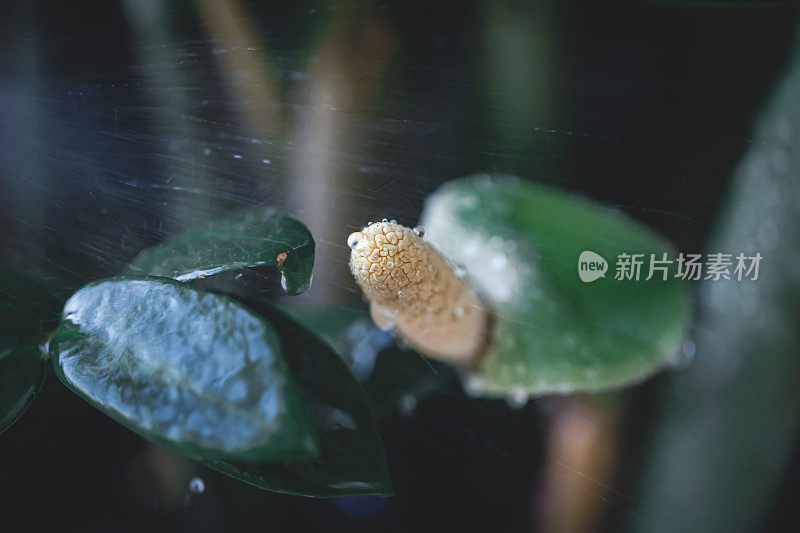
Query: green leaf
x,y
519,244
188,369
352,460
22,369
248,238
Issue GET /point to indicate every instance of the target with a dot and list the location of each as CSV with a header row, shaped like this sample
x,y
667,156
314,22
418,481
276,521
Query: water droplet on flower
x,y
197,485
354,239
385,220
419,231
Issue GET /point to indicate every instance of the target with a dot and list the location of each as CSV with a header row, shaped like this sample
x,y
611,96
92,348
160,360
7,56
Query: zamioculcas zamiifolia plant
x,y
282,396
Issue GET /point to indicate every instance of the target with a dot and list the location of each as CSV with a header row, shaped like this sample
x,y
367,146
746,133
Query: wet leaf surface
x,y
258,236
519,244
188,369
352,460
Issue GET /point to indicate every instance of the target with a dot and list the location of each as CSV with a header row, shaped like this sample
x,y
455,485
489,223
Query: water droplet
x,y
517,398
564,388
385,220
354,239
393,221
683,355
197,485
499,261
408,404
284,285
475,386
419,231
44,347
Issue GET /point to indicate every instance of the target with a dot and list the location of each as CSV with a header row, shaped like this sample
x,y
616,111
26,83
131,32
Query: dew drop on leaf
x,y
197,485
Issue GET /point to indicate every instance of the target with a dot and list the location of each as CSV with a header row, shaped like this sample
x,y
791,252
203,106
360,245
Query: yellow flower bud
x,y
413,289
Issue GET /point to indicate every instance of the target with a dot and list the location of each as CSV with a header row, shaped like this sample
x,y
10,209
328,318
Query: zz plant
x,y
281,396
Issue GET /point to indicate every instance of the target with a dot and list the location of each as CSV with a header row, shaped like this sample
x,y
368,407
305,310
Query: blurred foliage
x,y
730,420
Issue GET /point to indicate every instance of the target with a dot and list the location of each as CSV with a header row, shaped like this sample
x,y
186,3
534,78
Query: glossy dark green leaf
x,y
252,237
188,369
395,379
519,244
352,460
22,368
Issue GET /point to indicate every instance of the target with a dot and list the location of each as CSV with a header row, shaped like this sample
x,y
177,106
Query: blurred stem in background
x,y
344,79
730,420
246,67
582,452
23,179
175,128
521,57
525,87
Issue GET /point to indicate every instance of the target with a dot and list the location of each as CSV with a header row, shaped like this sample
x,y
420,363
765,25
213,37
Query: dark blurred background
x,y
122,122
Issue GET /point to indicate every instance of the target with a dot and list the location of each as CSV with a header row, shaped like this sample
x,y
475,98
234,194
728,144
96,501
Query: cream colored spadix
x,y
413,289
